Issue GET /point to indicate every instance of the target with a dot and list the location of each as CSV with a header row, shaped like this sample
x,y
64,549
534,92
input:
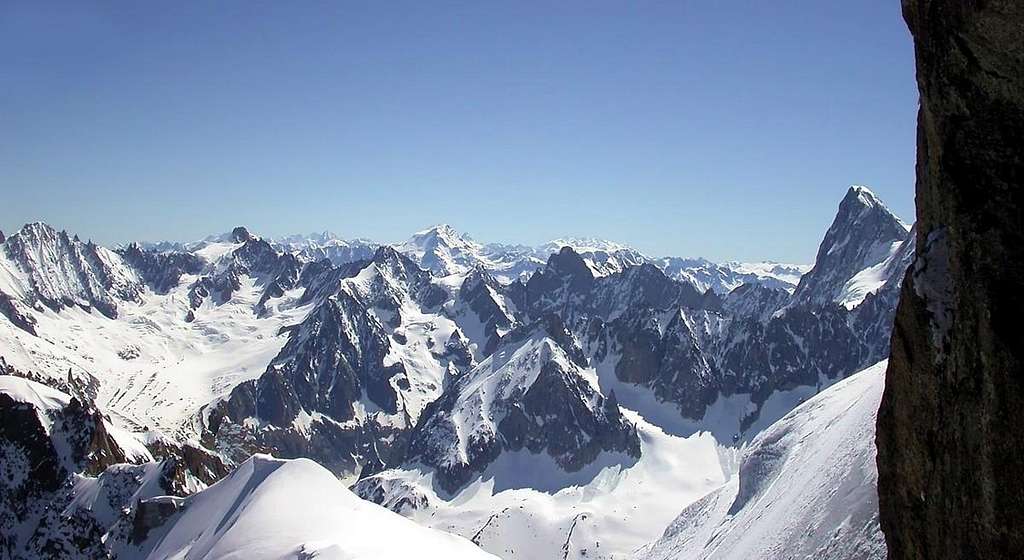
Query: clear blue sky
x,y
724,129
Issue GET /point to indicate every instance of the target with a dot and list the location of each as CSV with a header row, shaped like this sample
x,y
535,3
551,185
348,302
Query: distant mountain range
x,y
444,251
419,373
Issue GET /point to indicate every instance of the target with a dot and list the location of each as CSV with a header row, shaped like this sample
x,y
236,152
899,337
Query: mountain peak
x,y
59,270
862,207
862,193
863,235
568,262
37,229
860,200
386,253
442,250
240,234
441,231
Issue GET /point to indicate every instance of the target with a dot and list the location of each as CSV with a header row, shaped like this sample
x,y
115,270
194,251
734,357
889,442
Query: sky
x,y
729,130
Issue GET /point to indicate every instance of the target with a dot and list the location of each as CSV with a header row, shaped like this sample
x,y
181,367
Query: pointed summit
x,y
567,262
862,237
860,201
387,258
240,234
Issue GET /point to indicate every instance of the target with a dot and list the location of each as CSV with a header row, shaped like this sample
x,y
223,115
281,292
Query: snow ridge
x,y
273,509
806,487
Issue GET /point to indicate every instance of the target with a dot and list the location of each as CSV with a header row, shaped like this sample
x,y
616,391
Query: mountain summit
x,y
864,236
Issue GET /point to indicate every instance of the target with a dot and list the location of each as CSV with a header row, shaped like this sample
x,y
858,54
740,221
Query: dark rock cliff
x,y
950,447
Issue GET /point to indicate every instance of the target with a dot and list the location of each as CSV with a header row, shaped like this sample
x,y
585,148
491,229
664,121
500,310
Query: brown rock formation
x,y
951,425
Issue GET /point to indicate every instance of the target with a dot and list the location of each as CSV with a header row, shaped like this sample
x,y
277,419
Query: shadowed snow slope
x,y
807,487
272,508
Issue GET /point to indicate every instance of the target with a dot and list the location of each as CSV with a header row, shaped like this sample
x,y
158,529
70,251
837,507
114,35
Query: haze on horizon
x,y
679,128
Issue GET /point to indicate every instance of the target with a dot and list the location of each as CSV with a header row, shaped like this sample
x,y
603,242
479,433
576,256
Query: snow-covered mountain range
x,y
441,244
531,400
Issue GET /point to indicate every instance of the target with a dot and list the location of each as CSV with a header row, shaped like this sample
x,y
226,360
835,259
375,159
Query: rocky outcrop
x,y
311,399
480,294
161,270
950,447
45,437
664,354
16,313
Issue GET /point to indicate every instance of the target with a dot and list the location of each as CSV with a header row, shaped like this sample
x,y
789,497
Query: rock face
x,y
355,374
45,436
161,270
68,488
950,448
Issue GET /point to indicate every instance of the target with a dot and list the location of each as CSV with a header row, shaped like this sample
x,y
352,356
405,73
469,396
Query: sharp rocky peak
x,y
567,262
37,230
60,270
240,234
863,234
861,203
396,265
479,275
388,256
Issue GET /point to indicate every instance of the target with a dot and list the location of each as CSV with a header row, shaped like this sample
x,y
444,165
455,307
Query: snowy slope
x,y
524,506
44,399
150,367
806,487
270,509
886,273
155,370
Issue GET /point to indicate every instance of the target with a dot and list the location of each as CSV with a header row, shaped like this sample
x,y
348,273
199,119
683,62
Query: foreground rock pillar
x,y
951,425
